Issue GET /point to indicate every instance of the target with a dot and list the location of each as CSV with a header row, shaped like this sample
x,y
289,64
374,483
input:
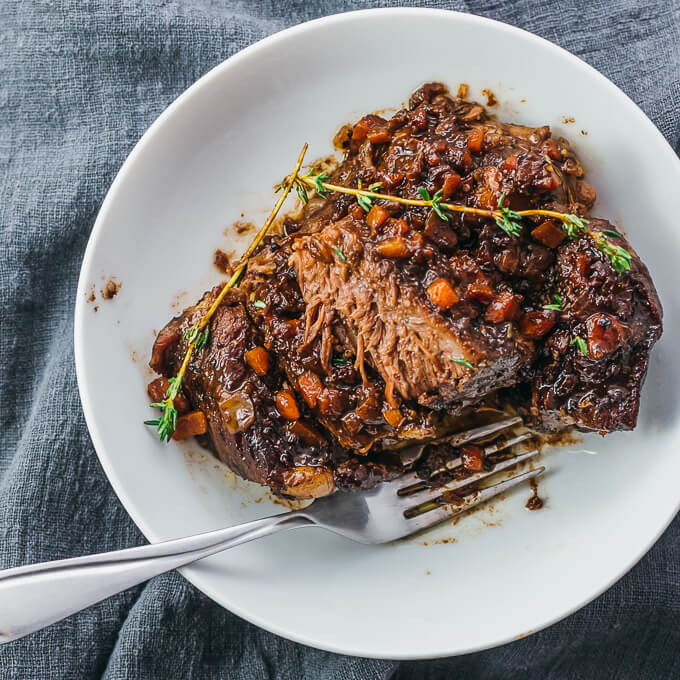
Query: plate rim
x,y
190,572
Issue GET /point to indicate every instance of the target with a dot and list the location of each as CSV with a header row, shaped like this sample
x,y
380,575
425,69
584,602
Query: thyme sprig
x,y
508,220
197,335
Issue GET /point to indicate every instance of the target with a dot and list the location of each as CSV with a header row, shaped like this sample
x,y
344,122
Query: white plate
x,y
214,154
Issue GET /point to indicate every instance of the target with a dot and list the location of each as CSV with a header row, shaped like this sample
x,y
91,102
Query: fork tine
x,y
466,436
431,493
506,444
441,513
480,432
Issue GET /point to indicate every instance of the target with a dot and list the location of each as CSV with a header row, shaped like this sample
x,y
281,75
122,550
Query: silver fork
x,y
35,596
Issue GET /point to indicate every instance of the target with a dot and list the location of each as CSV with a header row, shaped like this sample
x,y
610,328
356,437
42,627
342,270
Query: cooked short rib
x,y
383,325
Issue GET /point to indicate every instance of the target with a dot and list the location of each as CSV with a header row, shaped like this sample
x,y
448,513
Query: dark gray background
x,y
79,84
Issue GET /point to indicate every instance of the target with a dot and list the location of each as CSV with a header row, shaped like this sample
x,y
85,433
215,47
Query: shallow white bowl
x,y
214,154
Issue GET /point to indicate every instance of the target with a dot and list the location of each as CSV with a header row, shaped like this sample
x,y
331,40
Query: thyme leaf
x,y
318,184
581,344
437,205
556,305
574,225
339,253
364,200
434,201
619,257
509,220
197,337
301,190
465,363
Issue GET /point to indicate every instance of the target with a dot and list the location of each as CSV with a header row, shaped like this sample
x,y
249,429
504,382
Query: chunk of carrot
x,y
472,457
376,216
395,247
441,293
310,386
286,405
451,184
510,163
258,359
475,139
537,324
504,307
190,424
482,292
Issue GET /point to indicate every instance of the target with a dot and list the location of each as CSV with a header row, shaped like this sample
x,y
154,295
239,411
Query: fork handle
x,y
35,596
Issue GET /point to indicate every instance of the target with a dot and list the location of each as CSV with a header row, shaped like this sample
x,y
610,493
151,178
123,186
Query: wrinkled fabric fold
x,y
80,82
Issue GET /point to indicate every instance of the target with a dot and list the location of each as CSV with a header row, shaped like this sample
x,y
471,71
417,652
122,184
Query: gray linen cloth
x,y
79,84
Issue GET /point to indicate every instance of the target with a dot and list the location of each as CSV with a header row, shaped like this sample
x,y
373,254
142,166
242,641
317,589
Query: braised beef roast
x,y
376,329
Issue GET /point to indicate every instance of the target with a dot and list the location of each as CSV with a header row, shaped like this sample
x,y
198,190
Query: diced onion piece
x,y
393,417
238,412
306,481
